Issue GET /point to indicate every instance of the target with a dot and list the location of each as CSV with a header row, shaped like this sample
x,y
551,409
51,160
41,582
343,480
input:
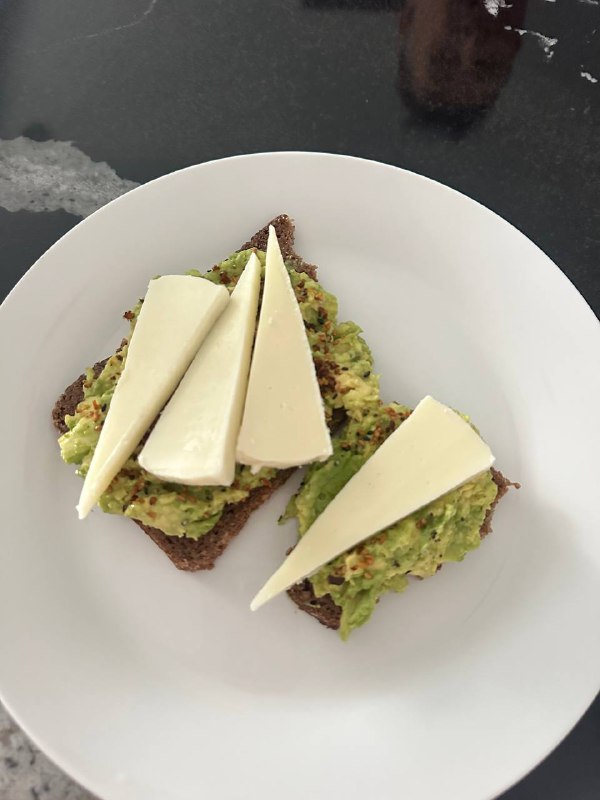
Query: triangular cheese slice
x,y
177,313
194,440
430,454
284,419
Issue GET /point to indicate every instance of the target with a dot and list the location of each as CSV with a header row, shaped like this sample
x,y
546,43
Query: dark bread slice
x,y
71,397
196,554
329,614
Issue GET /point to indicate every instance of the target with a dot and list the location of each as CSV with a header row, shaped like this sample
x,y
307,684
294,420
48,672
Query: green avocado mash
x,y
349,388
418,545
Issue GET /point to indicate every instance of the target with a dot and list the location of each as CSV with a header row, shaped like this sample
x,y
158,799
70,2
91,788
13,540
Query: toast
x,y
200,554
324,609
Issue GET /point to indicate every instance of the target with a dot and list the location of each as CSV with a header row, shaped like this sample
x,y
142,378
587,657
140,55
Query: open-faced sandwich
x,y
232,378
193,524
404,492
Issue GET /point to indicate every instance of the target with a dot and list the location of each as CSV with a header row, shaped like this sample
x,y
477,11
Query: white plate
x,y
145,683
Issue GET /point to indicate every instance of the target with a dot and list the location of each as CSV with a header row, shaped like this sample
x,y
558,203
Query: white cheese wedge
x,y
194,439
430,454
284,419
177,313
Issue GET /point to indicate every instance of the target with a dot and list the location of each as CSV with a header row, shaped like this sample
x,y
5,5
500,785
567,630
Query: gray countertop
x,y
26,773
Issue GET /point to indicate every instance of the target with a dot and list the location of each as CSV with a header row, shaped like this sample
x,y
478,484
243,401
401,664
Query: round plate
x,y
145,683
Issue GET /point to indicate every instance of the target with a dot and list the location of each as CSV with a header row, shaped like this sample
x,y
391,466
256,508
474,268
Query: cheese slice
x,y
284,419
430,454
177,313
194,440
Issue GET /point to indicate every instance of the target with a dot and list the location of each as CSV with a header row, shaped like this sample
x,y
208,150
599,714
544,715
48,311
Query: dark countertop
x,y
500,103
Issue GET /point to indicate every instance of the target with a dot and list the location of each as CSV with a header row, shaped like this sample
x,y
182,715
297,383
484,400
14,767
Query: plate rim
x,y
286,154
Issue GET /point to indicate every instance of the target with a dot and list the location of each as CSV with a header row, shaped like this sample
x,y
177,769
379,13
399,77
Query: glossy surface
x,y
150,86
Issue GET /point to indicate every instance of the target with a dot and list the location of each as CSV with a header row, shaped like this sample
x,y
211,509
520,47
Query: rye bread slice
x,y
324,609
197,554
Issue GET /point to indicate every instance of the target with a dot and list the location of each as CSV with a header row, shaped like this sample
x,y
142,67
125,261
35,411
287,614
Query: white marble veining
x,y
147,11
46,176
547,43
26,774
588,77
50,176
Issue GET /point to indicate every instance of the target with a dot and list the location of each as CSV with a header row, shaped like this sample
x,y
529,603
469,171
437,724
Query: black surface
x,y
440,87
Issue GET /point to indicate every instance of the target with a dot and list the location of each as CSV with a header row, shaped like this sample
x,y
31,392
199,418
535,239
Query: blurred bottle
x,y
456,55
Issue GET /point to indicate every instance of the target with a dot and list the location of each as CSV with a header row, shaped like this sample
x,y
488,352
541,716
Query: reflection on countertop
x,y
456,55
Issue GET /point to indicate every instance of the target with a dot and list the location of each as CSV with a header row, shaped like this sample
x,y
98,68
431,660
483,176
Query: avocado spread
x,y
349,388
418,545
444,530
